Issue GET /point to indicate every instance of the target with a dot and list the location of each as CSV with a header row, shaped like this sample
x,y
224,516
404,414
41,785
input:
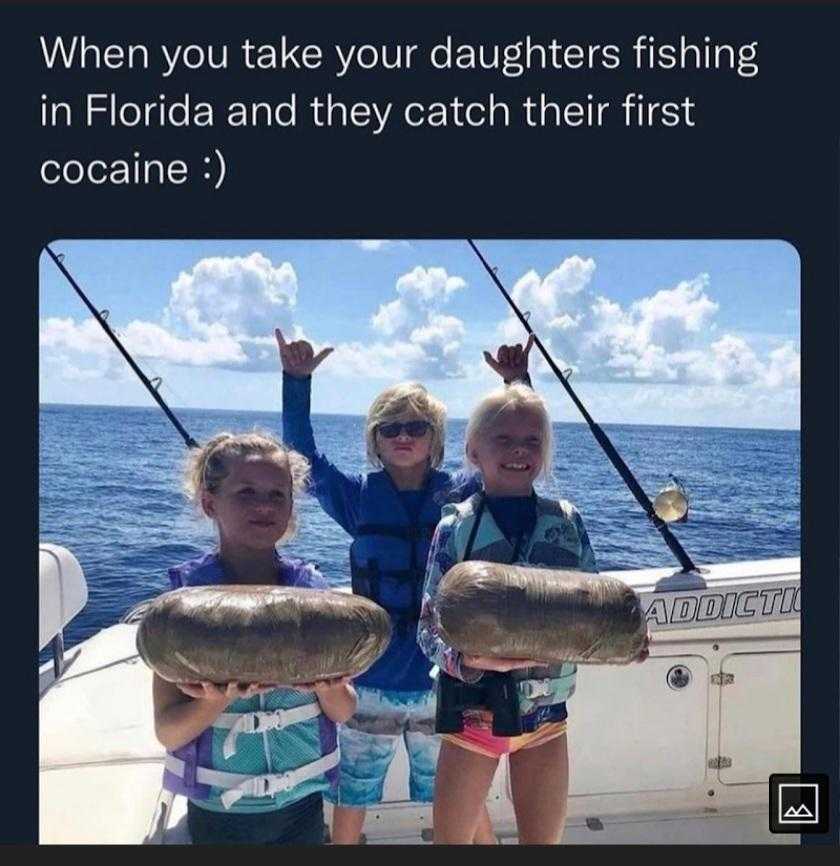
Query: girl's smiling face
x,y
253,503
509,452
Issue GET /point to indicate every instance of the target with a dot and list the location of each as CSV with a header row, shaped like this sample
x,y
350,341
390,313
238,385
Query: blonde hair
x,y
511,397
209,465
394,404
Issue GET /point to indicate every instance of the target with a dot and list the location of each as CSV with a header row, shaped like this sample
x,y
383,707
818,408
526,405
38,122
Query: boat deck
x,y
646,778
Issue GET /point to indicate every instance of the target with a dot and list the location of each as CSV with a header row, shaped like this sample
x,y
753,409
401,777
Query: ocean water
x,y
110,491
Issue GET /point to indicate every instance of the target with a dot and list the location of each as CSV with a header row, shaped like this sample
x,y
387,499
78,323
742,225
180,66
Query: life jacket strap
x,y
236,786
259,722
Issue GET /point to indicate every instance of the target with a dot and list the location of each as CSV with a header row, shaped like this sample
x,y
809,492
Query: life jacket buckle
x,y
531,689
269,721
261,722
269,785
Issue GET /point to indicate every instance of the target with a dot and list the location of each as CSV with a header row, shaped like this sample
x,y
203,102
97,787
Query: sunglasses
x,y
415,429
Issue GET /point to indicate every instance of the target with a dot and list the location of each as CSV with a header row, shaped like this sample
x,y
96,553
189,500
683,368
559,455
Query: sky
x,y
696,333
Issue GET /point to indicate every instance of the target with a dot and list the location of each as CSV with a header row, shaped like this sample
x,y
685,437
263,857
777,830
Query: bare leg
x,y
539,781
461,786
484,834
347,825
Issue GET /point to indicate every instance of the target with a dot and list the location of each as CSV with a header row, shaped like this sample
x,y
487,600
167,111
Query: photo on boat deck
x,y
625,407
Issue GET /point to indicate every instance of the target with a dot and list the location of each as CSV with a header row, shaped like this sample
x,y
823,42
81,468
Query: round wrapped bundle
x,y
507,611
261,634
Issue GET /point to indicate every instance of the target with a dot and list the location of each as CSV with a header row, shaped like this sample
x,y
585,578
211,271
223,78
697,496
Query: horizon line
x,y
449,418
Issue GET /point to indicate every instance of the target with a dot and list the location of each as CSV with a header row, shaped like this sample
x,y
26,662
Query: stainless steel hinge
x,y
723,679
720,763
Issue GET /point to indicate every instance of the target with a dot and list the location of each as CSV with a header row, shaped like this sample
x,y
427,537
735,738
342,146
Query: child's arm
x,y
183,712
299,362
336,697
442,557
337,493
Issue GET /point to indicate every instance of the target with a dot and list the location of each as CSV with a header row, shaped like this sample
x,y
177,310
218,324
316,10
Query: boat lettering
x,y
672,609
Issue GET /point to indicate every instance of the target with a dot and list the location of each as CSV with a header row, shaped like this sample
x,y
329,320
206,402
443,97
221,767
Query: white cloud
x,y
420,293
87,337
425,342
377,245
784,367
249,296
392,318
649,339
556,303
664,337
221,313
142,340
729,360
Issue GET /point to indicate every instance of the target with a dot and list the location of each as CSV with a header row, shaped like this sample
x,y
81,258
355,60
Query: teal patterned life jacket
x,y
263,752
558,540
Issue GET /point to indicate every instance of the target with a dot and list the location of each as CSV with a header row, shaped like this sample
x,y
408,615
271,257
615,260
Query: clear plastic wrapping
x,y
507,611
261,634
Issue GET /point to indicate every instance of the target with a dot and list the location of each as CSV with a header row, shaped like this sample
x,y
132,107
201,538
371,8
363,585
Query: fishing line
x,y
151,387
603,440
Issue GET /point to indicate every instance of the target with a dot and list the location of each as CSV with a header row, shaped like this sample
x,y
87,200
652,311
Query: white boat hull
x,y
649,762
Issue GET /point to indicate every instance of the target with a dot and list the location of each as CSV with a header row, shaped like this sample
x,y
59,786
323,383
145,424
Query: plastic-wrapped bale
x,y
261,634
507,611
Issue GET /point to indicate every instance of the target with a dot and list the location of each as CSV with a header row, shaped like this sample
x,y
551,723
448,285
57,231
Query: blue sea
x,y
110,491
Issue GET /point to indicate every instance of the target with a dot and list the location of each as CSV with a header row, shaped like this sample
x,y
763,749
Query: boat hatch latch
x,y
720,763
679,677
723,679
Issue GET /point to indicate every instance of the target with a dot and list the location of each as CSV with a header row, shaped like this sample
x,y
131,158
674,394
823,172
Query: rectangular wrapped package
x,y
508,611
261,634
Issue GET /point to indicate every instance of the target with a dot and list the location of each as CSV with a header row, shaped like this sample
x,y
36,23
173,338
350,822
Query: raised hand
x,y
298,358
511,362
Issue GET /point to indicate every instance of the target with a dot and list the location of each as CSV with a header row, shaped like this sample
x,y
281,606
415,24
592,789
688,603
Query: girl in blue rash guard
x,y
253,759
391,515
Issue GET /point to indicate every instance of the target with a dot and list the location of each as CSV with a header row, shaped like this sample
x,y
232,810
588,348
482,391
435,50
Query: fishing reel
x,y
671,503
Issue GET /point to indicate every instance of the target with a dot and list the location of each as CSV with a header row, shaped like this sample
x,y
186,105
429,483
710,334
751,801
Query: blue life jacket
x,y
388,565
263,752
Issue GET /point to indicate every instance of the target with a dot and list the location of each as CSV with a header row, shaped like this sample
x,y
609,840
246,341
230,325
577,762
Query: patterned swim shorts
x,y
369,742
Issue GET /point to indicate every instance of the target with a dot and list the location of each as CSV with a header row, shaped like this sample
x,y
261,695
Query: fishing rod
x,y
190,442
603,440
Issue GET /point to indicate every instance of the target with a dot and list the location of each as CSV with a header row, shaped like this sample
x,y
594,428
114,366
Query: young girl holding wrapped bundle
x,y
508,439
253,759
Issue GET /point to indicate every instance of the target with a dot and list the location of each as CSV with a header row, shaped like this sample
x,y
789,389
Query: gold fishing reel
x,y
671,503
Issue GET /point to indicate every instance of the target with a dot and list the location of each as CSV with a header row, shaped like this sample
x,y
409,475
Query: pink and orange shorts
x,y
478,736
